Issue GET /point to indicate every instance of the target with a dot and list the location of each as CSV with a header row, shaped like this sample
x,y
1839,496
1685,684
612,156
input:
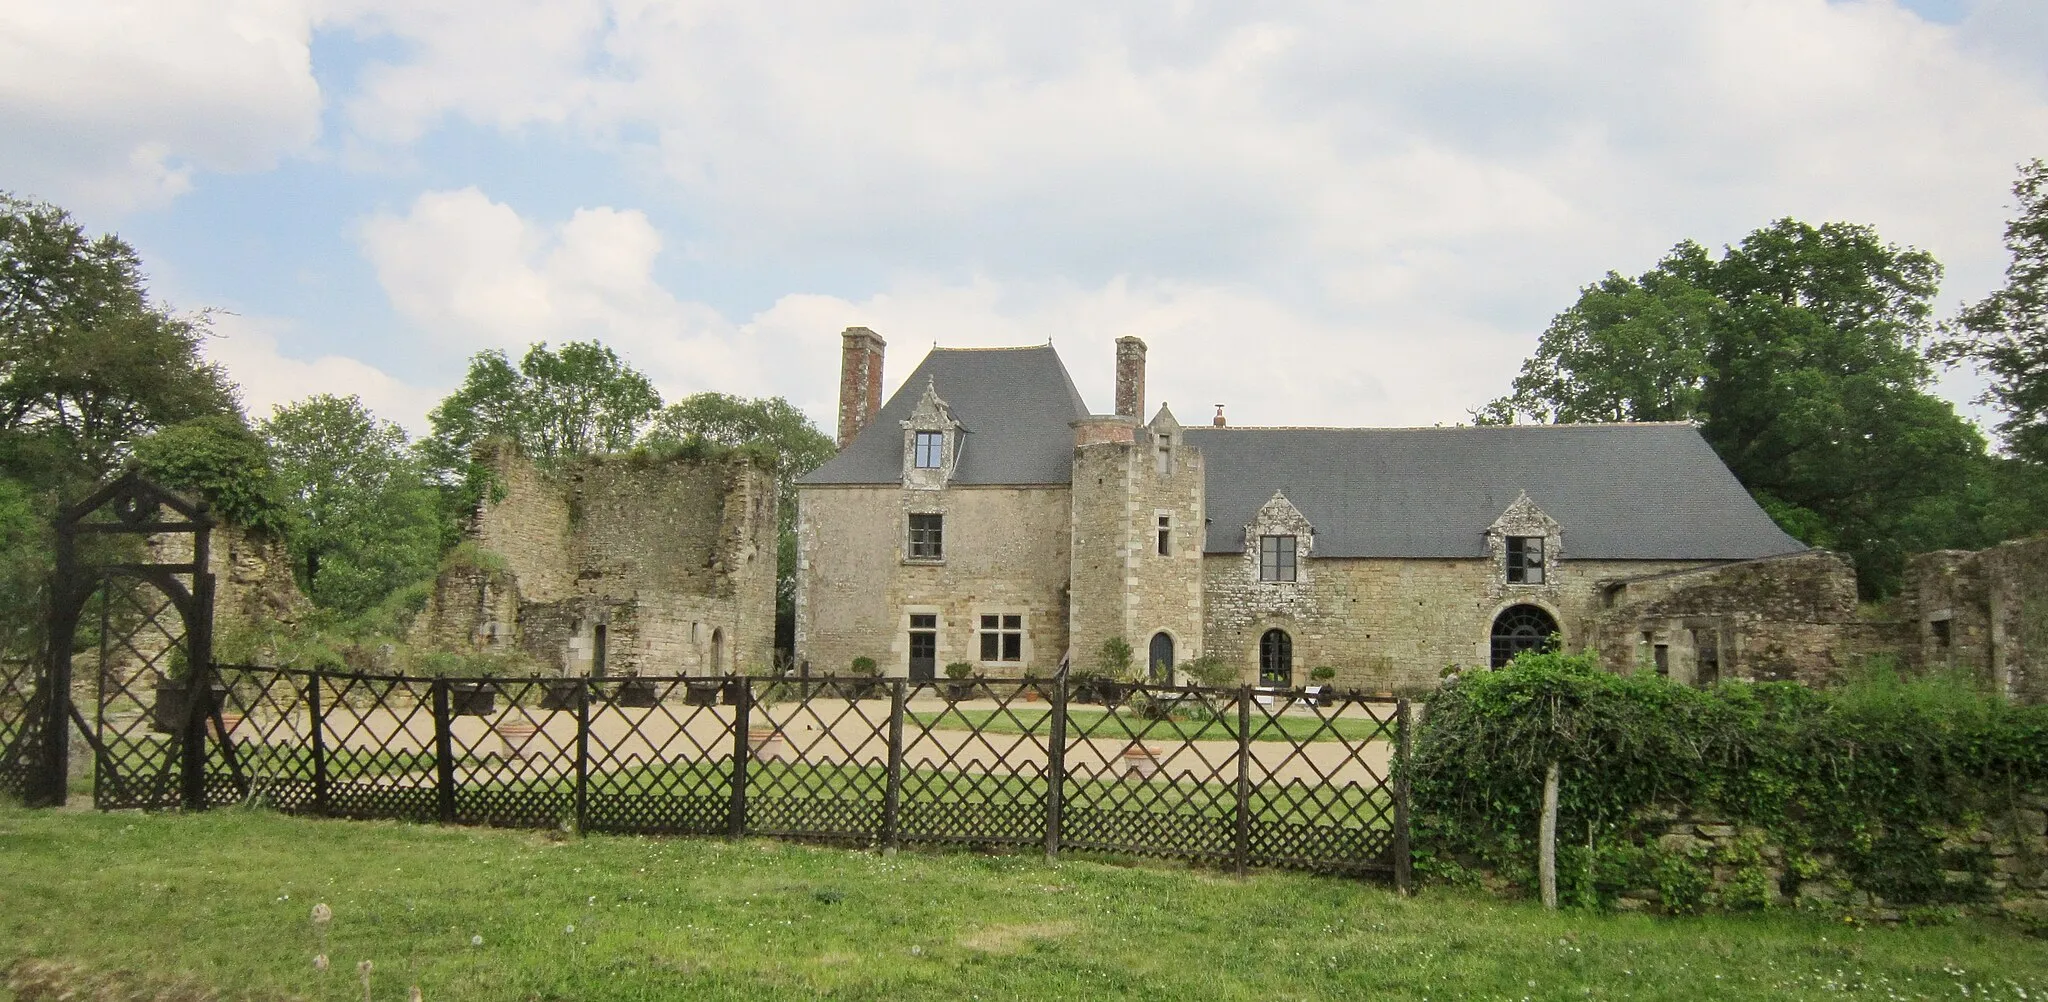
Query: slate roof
x,y
1017,405
1619,492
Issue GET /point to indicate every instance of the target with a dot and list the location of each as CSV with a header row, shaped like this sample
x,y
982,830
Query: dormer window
x,y
1525,559
930,449
1276,558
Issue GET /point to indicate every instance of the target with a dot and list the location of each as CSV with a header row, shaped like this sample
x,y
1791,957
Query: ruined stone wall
x,y
670,562
1394,624
253,586
1005,552
1778,618
1986,611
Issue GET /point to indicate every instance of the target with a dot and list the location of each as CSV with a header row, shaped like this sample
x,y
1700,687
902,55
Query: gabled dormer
x,y
1525,546
1277,544
932,440
1164,432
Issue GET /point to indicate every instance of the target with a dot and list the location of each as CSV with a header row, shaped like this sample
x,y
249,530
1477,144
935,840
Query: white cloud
x,y
248,347
112,104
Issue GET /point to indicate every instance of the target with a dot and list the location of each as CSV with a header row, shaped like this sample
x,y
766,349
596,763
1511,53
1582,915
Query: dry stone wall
x,y
1986,611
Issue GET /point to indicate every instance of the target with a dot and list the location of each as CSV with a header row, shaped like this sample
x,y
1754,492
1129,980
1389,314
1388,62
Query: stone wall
x,y
1986,611
1390,625
1005,553
1789,617
253,586
665,566
2000,865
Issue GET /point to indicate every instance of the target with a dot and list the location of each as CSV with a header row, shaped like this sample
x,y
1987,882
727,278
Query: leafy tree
x,y
2007,331
87,363
219,459
770,423
579,401
364,517
1798,351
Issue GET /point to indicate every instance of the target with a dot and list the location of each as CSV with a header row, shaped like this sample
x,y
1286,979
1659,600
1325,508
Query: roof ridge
x,y
992,347
1443,427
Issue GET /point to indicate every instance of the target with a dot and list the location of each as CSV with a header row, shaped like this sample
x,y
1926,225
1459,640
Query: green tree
x,y
2007,331
579,401
87,363
364,517
769,423
218,459
1798,351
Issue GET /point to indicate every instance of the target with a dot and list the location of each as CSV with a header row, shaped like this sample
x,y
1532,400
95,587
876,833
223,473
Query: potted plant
x,y
1321,694
960,687
1114,674
635,691
702,691
864,685
174,694
560,693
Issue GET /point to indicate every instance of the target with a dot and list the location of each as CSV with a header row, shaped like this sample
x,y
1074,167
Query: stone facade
x,y
1985,611
1136,539
617,565
253,586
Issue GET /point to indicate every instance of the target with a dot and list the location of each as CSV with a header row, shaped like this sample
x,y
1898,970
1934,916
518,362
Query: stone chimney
x,y
1218,422
860,381
1130,377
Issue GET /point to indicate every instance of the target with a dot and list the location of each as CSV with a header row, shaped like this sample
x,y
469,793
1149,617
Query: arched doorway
x,y
1521,628
717,651
1276,660
1159,660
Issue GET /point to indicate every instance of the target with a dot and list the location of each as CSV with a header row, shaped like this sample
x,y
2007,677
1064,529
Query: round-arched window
x,y
1521,628
1276,660
1159,660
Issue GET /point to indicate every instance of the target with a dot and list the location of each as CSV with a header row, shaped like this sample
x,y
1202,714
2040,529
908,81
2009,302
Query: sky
x,y
1315,212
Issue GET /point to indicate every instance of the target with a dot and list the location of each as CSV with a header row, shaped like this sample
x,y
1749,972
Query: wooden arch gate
x,y
129,643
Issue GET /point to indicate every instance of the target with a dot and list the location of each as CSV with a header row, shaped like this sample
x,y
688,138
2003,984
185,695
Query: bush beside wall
x,y
1887,793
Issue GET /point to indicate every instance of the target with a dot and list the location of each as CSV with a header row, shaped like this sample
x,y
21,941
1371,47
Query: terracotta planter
x,y
514,736
1141,762
766,744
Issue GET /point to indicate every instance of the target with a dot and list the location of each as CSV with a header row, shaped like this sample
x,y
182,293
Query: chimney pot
x,y
1130,377
1218,422
860,381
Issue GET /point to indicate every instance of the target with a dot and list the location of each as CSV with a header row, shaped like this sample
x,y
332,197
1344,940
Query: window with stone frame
x,y
1002,638
1166,535
929,450
1277,558
1525,559
927,537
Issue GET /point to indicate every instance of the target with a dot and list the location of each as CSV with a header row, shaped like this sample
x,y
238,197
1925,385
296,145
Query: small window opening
x,y
1276,558
1525,559
597,651
1002,638
1166,535
1663,657
1707,647
1165,454
1942,636
927,537
930,445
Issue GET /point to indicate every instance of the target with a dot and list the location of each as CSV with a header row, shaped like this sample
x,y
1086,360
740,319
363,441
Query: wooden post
x,y
444,754
1546,840
736,814
318,716
1056,769
1241,832
1404,853
582,755
892,795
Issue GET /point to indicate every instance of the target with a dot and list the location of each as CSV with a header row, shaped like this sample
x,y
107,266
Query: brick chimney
x,y
1130,377
860,381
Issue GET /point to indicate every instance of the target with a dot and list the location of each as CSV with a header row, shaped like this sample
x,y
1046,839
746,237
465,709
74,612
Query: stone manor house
x,y
985,513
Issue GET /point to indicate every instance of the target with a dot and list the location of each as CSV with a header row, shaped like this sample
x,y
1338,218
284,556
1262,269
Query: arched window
x,y
1520,628
1159,661
1276,660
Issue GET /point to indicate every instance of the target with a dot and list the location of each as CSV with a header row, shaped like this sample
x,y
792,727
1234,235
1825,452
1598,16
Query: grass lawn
x,y
221,901
1090,723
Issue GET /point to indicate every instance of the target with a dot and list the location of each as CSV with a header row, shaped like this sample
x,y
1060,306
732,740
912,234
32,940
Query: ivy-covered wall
x,y
1886,793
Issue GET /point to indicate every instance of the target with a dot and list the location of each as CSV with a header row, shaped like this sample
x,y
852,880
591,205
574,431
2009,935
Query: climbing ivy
x,y
1868,775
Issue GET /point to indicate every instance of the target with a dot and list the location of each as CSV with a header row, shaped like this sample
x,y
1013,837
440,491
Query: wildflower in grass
x,y
320,962
322,915
476,941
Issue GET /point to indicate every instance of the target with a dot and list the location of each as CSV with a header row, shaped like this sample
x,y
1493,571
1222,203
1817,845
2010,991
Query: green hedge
x,y
1864,779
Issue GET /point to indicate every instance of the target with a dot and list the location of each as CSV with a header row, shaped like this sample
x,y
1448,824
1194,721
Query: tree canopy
x,y
365,520
2007,331
1799,352
87,363
579,401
